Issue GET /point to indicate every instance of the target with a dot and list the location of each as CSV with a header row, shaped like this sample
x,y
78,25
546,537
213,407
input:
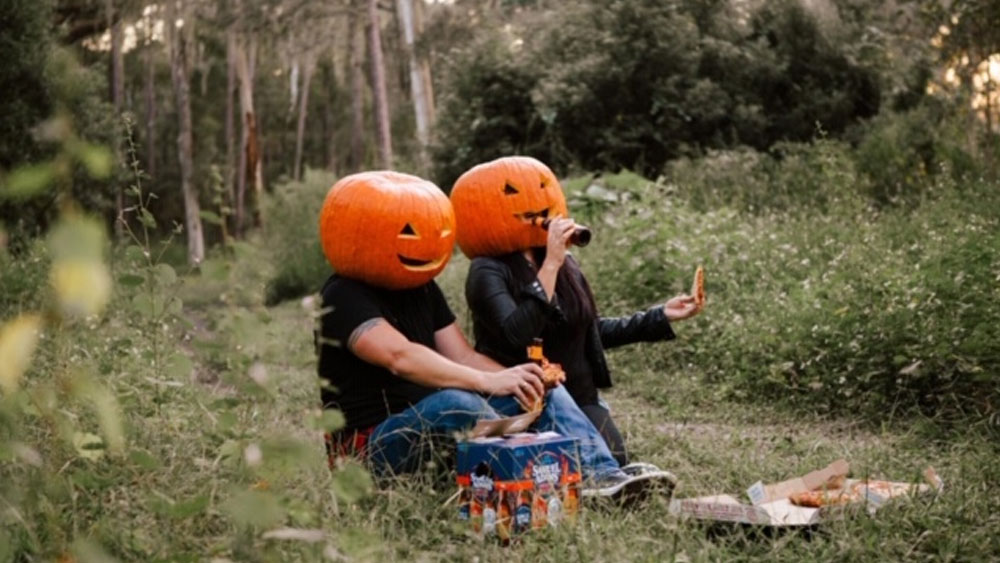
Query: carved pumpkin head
x,y
500,205
388,229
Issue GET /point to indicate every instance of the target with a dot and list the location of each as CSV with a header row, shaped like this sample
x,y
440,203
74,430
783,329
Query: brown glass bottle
x,y
580,237
535,351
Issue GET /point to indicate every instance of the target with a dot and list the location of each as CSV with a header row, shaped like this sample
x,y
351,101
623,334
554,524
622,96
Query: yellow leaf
x,y
83,288
18,340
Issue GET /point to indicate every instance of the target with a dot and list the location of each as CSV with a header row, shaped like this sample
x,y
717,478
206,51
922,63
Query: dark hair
x,y
575,297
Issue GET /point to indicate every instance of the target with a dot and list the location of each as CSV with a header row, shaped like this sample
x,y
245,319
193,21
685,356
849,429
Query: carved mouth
x,y
530,217
415,265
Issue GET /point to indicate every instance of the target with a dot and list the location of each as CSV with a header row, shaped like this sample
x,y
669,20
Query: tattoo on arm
x,y
361,330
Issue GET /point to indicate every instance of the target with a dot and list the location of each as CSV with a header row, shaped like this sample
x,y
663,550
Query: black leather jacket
x,y
507,314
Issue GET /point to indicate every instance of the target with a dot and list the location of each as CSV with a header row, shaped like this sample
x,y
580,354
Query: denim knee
x,y
559,396
459,400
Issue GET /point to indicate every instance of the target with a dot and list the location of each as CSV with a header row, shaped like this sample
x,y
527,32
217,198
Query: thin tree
x,y
308,68
230,122
176,44
329,101
250,165
355,62
117,87
425,64
150,97
382,130
421,103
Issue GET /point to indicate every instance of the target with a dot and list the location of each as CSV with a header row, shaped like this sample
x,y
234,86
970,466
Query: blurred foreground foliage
x,y
100,363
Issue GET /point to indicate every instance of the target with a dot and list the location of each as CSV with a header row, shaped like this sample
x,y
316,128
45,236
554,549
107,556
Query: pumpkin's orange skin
x,y
491,201
387,229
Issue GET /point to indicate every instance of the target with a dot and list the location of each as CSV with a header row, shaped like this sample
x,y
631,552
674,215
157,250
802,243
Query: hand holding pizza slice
x,y
686,306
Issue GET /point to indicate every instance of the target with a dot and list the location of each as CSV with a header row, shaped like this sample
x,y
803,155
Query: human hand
x,y
523,381
560,231
681,307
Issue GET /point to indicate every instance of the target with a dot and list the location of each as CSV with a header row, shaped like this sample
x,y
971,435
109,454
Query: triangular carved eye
x,y
509,189
408,231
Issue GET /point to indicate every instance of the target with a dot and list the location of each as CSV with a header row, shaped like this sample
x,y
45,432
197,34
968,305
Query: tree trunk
x,y
383,133
417,84
230,178
250,166
185,153
355,57
329,123
300,131
425,65
150,112
117,84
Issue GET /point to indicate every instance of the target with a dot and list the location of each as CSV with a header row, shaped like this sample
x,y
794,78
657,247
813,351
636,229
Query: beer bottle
x,y
535,352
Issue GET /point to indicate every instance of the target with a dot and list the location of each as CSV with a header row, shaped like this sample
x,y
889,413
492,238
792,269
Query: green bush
x,y
851,310
291,235
23,279
815,177
488,111
902,153
606,86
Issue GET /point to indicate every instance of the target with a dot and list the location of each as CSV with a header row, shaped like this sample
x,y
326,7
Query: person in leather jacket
x,y
541,292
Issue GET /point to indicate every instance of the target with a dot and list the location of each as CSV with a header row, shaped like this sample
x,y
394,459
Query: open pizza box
x,y
770,504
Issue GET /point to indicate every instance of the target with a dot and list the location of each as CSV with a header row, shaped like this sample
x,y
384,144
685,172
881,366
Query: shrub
x,y
850,310
606,86
23,279
902,153
488,111
794,176
292,237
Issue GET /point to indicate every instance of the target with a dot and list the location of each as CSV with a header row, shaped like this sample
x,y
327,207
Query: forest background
x,y
832,163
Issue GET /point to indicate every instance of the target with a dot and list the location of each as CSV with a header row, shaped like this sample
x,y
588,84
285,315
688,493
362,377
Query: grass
x,y
670,418
224,443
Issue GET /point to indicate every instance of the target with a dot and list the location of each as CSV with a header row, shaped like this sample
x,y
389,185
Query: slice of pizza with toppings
x,y
826,497
552,375
698,287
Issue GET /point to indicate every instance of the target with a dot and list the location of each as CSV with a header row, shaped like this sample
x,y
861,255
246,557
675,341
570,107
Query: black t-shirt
x,y
367,394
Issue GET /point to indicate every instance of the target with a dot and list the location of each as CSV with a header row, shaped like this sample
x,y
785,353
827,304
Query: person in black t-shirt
x,y
403,374
396,362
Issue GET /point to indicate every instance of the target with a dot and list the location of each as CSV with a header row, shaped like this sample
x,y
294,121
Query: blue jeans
x,y
400,443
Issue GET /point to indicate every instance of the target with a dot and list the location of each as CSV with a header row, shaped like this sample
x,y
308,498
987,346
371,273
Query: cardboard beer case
x,y
510,484
770,504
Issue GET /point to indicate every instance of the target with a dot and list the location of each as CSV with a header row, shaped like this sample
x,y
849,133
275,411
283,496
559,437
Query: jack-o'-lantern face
x,y
388,229
500,205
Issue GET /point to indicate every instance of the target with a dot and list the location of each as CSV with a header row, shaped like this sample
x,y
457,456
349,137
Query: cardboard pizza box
x,y
769,504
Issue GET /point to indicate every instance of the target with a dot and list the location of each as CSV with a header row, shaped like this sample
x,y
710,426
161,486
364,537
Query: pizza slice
x,y
826,497
888,489
552,375
698,287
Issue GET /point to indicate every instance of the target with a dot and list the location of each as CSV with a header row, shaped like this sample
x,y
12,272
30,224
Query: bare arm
x,y
451,343
378,343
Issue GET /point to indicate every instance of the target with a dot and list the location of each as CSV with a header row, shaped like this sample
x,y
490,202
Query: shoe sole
x,y
636,488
